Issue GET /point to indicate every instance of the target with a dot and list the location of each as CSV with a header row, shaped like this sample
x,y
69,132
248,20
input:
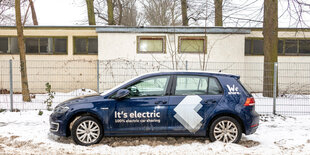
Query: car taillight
x,y
249,101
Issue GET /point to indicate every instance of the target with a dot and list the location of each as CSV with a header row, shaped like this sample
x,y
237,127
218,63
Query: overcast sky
x,y
59,12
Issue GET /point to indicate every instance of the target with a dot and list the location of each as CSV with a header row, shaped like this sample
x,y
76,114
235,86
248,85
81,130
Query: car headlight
x,y
61,109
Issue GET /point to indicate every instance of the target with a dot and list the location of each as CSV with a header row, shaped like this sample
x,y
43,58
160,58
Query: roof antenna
x,y
220,71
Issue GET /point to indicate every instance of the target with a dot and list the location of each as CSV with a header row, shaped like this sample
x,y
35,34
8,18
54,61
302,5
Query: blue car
x,y
213,105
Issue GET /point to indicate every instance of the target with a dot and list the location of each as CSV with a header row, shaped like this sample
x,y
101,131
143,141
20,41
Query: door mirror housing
x,y
122,93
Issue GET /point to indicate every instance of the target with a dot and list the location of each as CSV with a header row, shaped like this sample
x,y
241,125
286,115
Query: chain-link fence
x,y
71,78
67,79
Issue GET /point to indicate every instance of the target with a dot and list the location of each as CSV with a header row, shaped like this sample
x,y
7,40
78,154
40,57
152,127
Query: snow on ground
x,y
291,104
28,133
38,99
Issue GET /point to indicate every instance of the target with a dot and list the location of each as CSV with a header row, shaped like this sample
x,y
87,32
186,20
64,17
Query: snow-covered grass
x,y
291,104
37,101
28,133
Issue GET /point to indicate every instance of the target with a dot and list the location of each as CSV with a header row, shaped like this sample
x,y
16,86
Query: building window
x,y
254,46
290,47
44,45
151,44
85,45
304,46
35,45
192,44
8,45
60,45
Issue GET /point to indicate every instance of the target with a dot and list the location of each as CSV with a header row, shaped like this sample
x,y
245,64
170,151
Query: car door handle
x,y
210,101
163,102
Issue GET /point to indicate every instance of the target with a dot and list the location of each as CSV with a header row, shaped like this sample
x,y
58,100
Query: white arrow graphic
x,y
186,113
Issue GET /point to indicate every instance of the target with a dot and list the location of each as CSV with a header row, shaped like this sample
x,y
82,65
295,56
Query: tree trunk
x,y
218,20
270,33
26,15
184,13
110,13
23,68
120,8
90,12
33,13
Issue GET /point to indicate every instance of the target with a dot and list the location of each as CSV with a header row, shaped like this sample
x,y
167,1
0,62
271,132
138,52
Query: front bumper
x,y
54,127
57,125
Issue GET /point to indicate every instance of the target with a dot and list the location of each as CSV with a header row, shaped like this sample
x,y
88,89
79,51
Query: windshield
x,y
119,85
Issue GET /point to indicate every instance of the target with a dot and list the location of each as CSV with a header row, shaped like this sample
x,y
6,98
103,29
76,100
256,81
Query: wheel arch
x,y
225,114
77,115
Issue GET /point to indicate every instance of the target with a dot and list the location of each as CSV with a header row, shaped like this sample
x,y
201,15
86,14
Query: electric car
x,y
177,103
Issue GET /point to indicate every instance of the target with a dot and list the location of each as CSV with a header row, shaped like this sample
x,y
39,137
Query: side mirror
x,y
122,93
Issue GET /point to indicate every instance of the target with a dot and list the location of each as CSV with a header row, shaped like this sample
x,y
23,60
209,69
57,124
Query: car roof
x,y
185,72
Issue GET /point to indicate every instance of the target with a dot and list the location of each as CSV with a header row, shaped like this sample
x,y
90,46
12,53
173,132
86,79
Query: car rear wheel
x,y
87,131
225,129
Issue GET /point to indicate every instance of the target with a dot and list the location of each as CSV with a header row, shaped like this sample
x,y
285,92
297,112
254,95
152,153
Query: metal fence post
x,y
11,84
186,65
275,74
98,89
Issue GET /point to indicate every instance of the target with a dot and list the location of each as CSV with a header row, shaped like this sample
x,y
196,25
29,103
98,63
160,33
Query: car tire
x,y
87,131
225,129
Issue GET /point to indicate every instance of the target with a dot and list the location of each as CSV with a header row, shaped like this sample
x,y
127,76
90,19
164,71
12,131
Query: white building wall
x,y
225,52
220,47
222,51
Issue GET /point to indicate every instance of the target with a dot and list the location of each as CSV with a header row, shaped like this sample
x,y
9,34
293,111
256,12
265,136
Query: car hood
x,y
82,99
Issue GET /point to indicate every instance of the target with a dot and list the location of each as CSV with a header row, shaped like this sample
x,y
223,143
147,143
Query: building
x,y
211,48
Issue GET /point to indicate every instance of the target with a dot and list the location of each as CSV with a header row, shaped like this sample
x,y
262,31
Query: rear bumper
x,y
253,124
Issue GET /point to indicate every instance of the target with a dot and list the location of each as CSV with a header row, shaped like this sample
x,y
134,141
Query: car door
x,y
193,99
144,111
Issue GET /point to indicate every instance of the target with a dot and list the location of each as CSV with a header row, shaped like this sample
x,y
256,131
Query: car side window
x,y
154,86
197,85
191,85
214,87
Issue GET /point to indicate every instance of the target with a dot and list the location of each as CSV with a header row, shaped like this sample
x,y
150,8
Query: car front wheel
x,y
87,131
225,129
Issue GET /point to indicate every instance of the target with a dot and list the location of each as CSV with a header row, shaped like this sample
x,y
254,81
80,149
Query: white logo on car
x,y
232,90
186,113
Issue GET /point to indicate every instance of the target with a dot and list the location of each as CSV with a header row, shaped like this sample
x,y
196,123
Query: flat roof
x,y
168,29
156,29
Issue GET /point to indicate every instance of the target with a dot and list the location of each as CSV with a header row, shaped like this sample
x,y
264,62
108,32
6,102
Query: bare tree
x,y
162,12
33,13
5,17
90,12
124,12
184,12
110,9
7,8
21,46
295,13
270,32
218,7
129,15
